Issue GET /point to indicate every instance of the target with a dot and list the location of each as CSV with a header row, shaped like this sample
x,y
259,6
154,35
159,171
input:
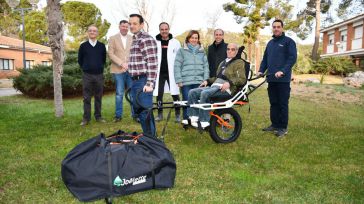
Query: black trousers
x,y
162,80
279,93
92,85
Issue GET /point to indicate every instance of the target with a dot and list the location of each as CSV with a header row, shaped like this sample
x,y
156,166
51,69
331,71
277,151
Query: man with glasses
x,y
92,58
279,57
216,51
230,75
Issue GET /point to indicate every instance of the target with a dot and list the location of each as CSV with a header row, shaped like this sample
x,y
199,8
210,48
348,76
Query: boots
x,y
159,117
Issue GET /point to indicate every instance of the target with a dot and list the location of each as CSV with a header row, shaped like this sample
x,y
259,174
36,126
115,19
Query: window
x,y
46,63
29,64
6,64
358,32
331,39
343,36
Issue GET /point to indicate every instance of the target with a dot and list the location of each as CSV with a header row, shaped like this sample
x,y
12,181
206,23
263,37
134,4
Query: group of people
x,y
152,66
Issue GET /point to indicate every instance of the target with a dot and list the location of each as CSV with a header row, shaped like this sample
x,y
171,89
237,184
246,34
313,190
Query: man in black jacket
x,y
216,52
92,58
279,57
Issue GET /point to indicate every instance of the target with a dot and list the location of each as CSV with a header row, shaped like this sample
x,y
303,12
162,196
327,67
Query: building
x,y
345,39
11,56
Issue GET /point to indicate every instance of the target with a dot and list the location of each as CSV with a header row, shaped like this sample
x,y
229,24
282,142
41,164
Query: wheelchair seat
x,y
217,99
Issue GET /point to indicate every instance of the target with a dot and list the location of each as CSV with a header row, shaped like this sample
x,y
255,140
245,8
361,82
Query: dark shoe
x,y
116,119
136,119
84,122
100,120
281,132
178,118
159,117
269,129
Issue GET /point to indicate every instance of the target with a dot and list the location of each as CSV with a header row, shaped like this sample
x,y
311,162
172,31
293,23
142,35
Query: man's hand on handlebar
x,y
260,74
279,74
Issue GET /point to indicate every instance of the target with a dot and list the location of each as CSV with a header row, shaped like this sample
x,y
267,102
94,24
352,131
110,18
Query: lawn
x,y
321,160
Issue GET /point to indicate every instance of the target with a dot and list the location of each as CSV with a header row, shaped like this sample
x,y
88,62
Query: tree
x,y
78,16
169,13
311,13
256,16
10,21
55,34
349,8
36,27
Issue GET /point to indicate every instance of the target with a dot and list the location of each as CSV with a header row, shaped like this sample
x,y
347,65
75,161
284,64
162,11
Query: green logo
x,y
118,181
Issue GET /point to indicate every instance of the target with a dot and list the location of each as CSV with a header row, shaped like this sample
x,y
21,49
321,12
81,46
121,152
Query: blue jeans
x,y
122,81
185,89
145,100
203,94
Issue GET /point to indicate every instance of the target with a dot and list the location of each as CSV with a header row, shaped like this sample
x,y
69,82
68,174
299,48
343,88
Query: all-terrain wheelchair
x,y
225,121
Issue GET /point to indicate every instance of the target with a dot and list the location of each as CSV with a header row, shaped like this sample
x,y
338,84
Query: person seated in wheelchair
x,y
229,76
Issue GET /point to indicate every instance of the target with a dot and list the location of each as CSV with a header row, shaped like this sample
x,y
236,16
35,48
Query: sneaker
x,y
100,120
281,132
159,117
178,118
194,123
193,118
185,122
116,119
204,124
85,122
269,129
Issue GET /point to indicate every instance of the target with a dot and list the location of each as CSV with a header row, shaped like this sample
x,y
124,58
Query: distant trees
x,y
77,17
256,16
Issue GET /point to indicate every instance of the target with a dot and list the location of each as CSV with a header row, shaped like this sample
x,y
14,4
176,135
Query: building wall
x,y
325,42
350,36
336,39
17,55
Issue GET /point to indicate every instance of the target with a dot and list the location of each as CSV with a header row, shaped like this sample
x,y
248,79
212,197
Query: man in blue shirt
x,y
278,60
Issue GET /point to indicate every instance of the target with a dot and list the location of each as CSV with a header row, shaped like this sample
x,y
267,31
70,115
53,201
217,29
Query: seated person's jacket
x,y
234,74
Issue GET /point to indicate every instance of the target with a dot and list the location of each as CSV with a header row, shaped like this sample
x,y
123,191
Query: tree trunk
x,y
315,47
55,34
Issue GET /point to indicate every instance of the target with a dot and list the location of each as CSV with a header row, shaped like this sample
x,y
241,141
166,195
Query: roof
x,y
13,43
351,20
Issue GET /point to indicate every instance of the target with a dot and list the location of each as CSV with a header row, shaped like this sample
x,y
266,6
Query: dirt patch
x,y
329,79
323,93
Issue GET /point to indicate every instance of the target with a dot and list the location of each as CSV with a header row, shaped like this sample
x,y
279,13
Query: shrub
x,y
334,65
38,82
303,65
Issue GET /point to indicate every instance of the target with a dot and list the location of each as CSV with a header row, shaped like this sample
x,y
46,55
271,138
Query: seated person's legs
x,y
206,94
193,97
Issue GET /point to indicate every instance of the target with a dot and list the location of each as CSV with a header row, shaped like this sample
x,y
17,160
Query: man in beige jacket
x,y
118,51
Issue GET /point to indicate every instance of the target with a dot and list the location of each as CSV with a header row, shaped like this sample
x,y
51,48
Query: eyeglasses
x,y
231,49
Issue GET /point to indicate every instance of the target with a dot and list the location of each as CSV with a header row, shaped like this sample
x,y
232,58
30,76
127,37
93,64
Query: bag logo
x,y
134,181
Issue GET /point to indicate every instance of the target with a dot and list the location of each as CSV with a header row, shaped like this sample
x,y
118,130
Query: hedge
x,y
38,81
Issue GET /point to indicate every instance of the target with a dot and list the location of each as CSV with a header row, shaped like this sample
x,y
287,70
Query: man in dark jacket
x,y
279,58
92,58
216,52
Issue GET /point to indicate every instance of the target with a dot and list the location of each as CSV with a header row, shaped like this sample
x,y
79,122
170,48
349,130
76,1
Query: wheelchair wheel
x,y
225,126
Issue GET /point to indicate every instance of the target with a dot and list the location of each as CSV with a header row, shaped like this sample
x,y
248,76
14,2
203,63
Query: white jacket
x,y
173,46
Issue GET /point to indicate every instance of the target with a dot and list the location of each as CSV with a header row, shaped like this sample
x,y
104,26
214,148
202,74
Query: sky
x,y
189,14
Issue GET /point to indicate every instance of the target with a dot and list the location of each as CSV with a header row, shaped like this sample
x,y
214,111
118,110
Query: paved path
x,y
8,92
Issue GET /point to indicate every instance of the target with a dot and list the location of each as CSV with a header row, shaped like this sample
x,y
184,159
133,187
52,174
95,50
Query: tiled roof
x,y
12,43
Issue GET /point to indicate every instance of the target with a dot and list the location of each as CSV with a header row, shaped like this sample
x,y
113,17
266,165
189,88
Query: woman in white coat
x,y
167,50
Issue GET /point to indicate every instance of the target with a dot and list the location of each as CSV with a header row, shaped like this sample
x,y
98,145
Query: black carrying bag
x,y
120,164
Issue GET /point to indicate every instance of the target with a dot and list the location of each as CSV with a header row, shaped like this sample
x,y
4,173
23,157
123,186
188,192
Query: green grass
x,y
321,160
